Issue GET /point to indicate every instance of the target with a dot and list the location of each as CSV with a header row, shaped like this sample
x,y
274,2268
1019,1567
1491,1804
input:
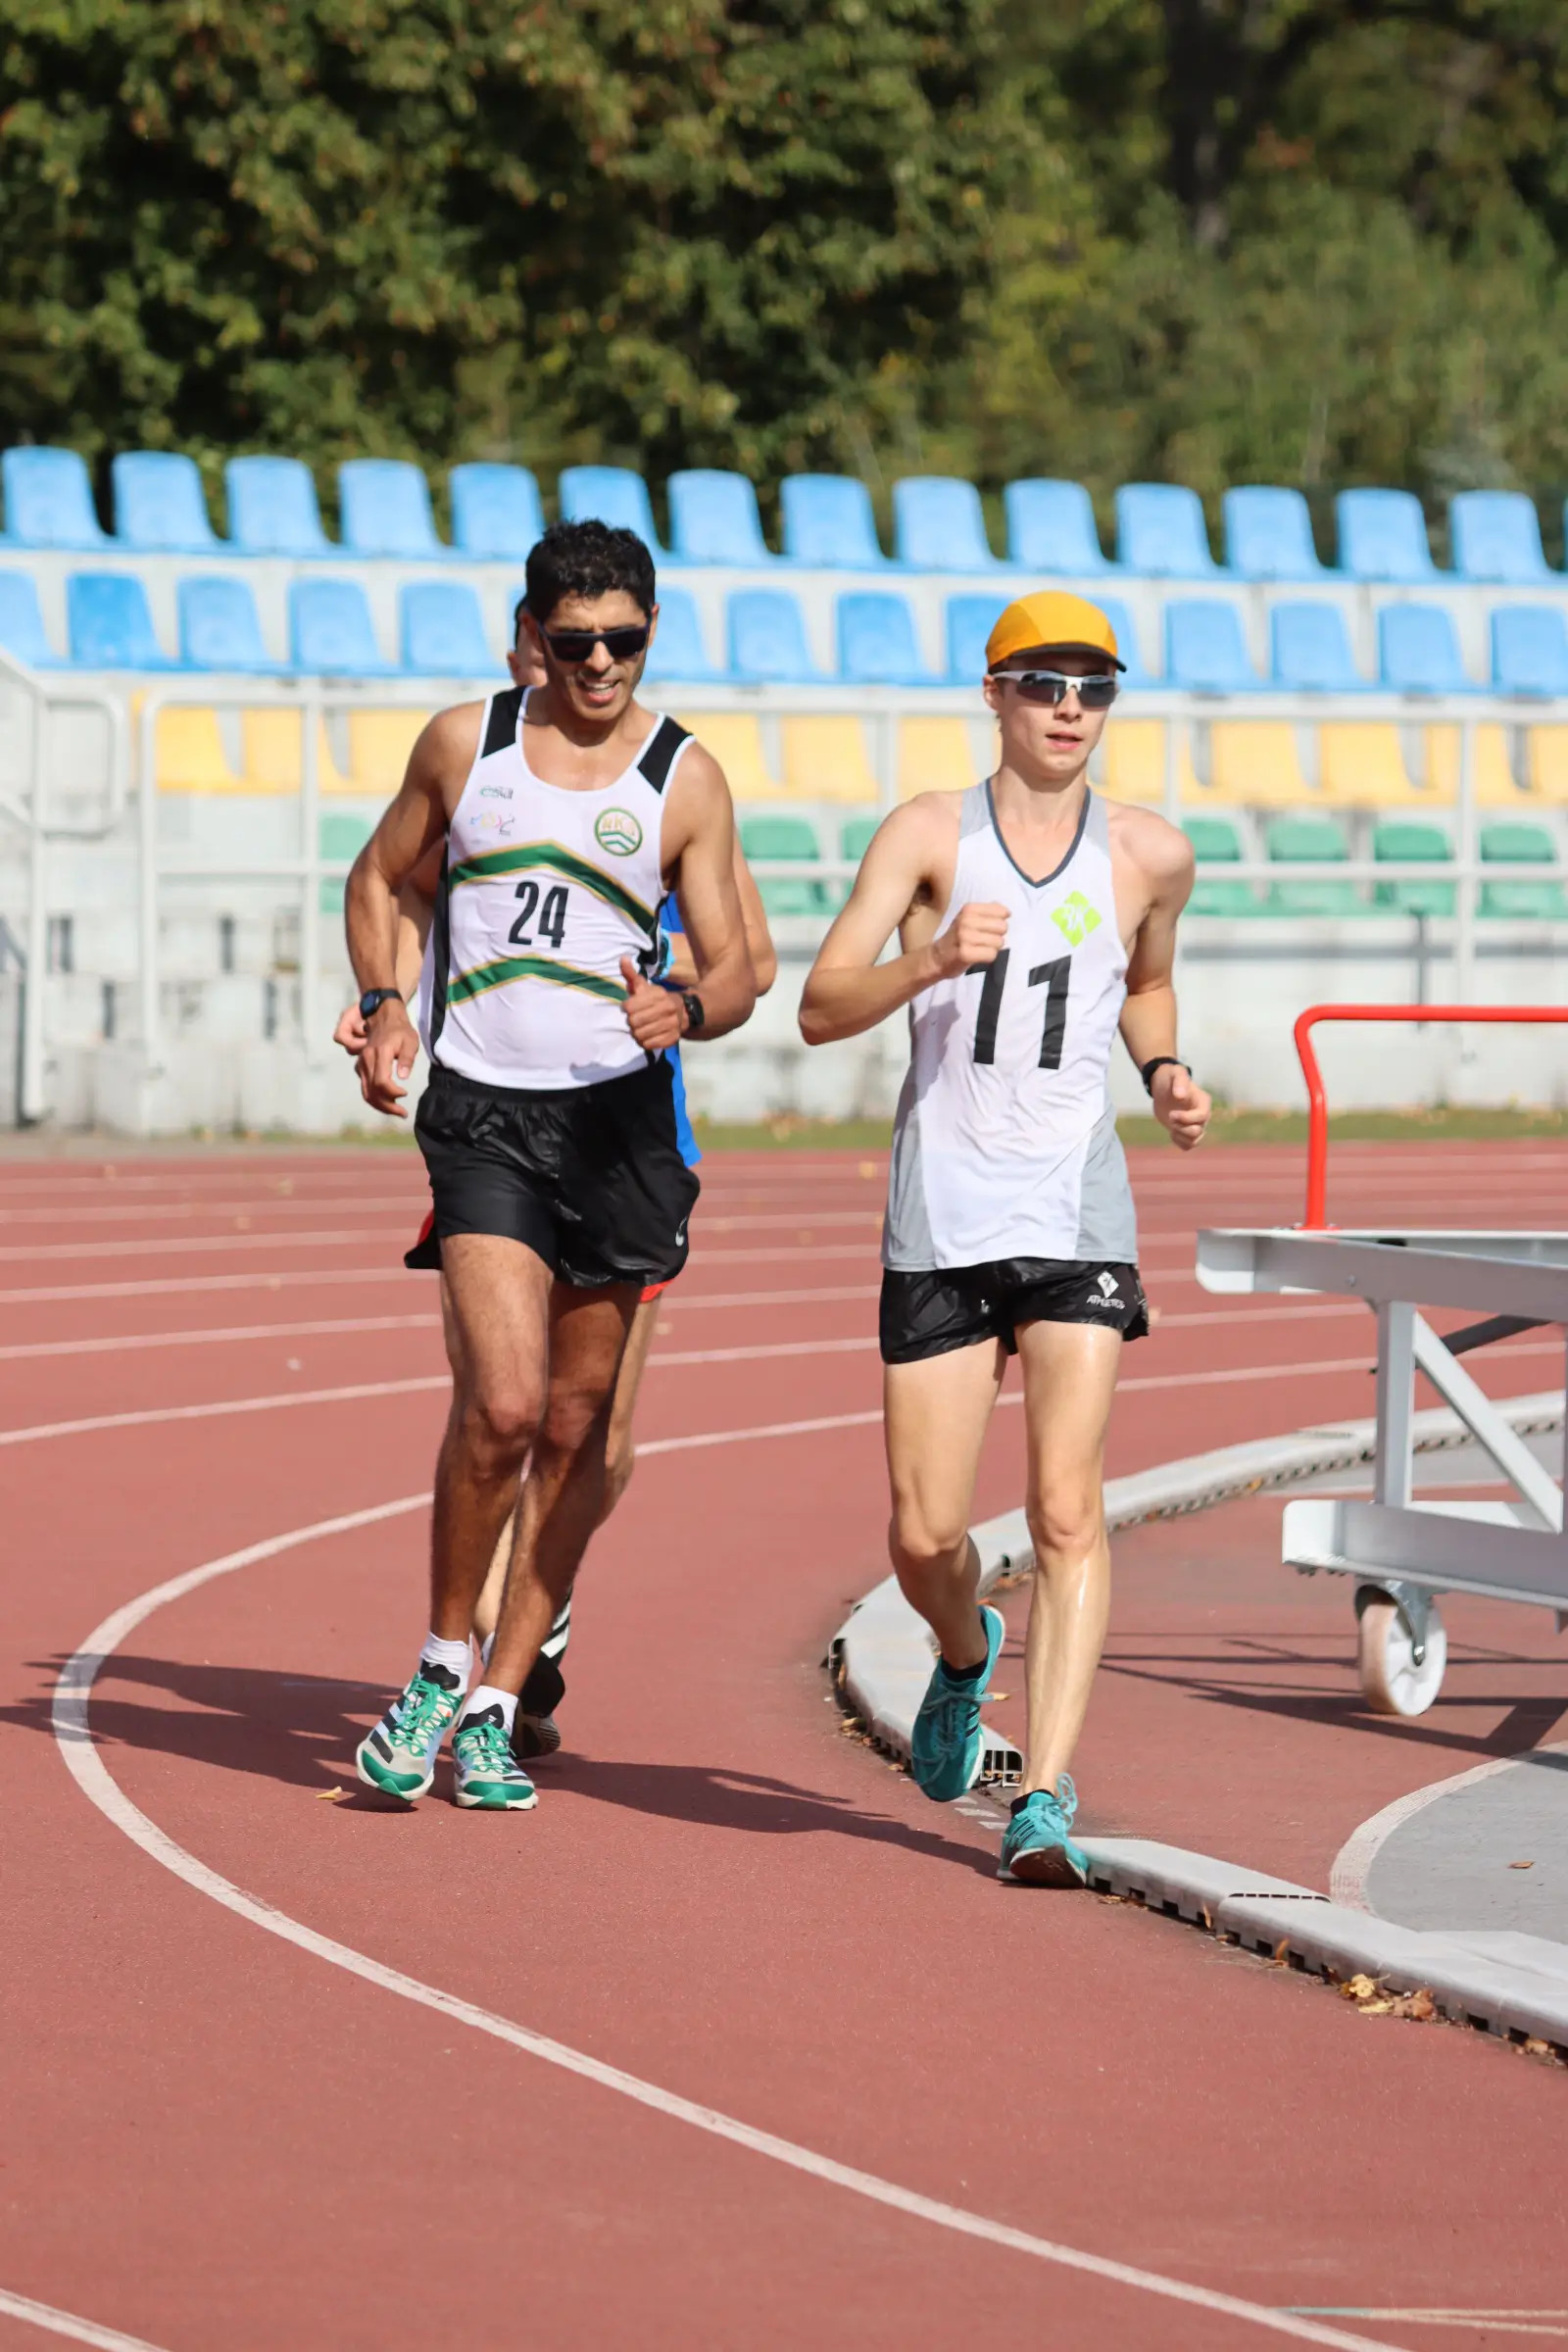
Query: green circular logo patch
x,y
617,831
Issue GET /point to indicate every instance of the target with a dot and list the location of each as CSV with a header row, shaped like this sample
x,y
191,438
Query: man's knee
x,y
498,1426
923,1535
1067,1523
576,1418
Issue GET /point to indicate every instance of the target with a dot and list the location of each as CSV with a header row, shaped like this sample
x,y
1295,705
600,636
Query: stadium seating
x,y
1383,536
1521,900
272,509
934,755
855,836
825,758
22,629
1316,841
1528,650
1363,765
714,518
1255,763
496,511
781,838
331,629
339,840
49,500
677,650
1205,648
1136,751
767,639
1051,527
828,521
273,754
188,754
735,741
385,506
1126,636
1548,764
218,628
1268,535
1312,649
1404,842
1418,651
877,644
379,744
611,494
109,625
1496,539
1493,781
443,631
939,526
1216,842
970,621
159,505
1161,533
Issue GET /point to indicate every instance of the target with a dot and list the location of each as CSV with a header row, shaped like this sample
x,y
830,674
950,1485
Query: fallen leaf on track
x,y
1521,1865
331,1795
1358,1989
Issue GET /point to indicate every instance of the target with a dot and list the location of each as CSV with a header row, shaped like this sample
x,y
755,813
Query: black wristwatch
x,y
373,997
1160,1061
696,1013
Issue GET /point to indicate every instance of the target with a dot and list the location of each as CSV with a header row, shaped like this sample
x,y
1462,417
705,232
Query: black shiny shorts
x,y
931,1313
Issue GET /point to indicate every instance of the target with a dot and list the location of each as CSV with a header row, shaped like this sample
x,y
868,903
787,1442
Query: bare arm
x,y
758,939
1149,1016
905,873
702,850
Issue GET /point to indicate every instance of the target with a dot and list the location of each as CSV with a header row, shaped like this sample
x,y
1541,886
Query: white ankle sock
x,y
485,1647
456,1656
483,1695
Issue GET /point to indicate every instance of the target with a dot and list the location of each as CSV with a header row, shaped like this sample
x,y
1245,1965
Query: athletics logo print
x,y
617,831
1106,1287
1075,919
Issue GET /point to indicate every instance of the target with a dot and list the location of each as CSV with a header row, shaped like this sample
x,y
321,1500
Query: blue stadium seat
x,y
1419,653
1268,535
331,629
678,652
1497,538
1051,527
1204,648
939,526
443,630
49,500
496,513
877,643
1383,536
218,628
714,518
970,622
1161,532
828,521
767,638
1312,650
111,628
1121,621
272,509
385,508
22,630
1528,650
611,494
159,505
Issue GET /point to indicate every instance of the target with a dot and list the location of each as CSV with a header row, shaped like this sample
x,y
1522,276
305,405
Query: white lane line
x,y
66,2322
219,1411
154,1211
215,1339
1352,1864
73,1733
395,1276
185,1245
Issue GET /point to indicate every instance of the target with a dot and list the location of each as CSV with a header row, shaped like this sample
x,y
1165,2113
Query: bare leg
x,y
1069,1374
496,1295
936,1414
621,1454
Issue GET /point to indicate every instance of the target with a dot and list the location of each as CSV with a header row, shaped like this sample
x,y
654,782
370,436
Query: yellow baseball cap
x,y
1051,621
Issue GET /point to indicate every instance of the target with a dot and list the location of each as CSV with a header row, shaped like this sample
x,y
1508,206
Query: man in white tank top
x,y
566,811
1036,920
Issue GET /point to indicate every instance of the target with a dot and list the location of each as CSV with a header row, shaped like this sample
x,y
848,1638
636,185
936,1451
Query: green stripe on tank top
x,y
492,866
507,968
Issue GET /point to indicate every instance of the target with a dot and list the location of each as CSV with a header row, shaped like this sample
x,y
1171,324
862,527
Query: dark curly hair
x,y
584,558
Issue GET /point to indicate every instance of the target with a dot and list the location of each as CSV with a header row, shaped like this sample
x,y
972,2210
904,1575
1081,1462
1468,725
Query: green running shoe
x,y
1036,1847
946,1748
399,1755
484,1771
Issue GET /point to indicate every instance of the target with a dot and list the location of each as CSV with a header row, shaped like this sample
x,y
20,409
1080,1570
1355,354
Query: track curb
x,y
881,1657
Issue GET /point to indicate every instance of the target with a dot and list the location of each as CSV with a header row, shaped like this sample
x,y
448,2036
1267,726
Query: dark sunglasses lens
x,y
570,644
1097,694
621,644
1040,686
577,645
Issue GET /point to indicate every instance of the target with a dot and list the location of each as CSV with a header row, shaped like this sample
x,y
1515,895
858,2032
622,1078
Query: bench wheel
x,y
1392,1682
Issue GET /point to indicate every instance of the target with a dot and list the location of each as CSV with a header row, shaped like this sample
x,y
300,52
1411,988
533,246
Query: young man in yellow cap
x,y
1035,919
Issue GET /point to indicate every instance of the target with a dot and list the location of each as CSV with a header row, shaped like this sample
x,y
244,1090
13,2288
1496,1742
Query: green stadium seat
x,y
340,837
785,838
1402,842
1216,842
1523,901
855,835
1316,841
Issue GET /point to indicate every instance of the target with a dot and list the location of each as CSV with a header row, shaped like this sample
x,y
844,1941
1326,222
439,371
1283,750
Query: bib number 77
x,y
1053,977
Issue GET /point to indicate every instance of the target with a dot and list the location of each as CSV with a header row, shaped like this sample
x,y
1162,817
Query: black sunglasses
x,y
575,645
1051,687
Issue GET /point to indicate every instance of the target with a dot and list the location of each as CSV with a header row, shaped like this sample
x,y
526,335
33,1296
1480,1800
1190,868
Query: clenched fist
x,y
977,934
655,1016
1181,1105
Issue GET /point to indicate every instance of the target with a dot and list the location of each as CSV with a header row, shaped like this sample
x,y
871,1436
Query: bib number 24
x,y
1053,978
552,916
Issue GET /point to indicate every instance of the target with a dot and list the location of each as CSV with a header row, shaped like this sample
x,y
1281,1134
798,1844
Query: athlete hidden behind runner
x,y
535,1731
1035,919
548,1124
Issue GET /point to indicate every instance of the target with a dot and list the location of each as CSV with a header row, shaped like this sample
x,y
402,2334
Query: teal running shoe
x,y
399,1755
484,1771
1036,1847
945,1746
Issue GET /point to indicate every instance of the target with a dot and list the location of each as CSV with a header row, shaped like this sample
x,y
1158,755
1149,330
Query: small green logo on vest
x,y
617,831
1075,919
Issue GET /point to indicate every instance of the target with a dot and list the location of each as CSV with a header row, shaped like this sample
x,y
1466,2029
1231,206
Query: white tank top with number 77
x,y
1004,1144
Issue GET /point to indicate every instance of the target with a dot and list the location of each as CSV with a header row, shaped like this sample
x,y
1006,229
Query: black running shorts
x,y
590,1178
931,1313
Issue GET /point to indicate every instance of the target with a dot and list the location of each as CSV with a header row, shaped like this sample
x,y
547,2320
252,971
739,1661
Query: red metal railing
x,y
1317,1134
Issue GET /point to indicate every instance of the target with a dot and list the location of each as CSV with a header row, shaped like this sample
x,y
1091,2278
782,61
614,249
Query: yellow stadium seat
x,y
735,741
379,744
934,755
188,752
1548,763
825,760
1134,763
1255,763
273,742
1495,787
1361,766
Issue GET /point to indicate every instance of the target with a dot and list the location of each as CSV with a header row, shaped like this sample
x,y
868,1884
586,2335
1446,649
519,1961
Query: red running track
x,y
218,2136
